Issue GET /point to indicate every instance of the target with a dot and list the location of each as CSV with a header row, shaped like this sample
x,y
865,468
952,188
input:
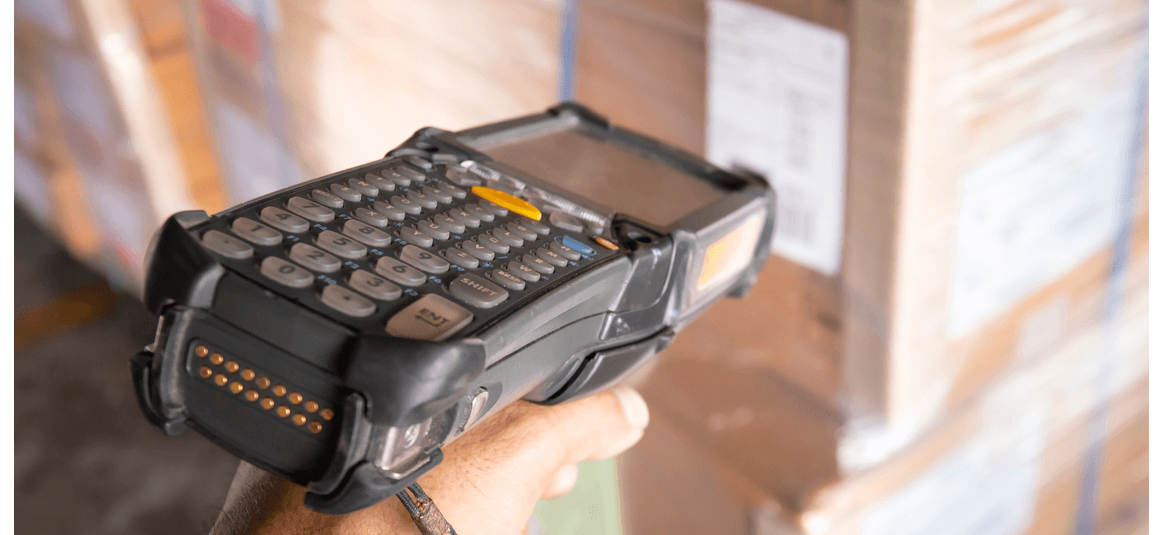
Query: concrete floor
x,y
86,460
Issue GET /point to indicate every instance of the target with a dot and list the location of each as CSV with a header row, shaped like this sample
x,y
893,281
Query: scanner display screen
x,y
613,175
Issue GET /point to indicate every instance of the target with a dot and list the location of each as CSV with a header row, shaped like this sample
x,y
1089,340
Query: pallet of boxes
x,y
951,335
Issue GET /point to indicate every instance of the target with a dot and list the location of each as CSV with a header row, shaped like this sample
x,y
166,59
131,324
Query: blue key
x,y
577,245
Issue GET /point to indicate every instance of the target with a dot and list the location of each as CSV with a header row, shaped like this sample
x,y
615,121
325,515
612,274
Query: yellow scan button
x,y
509,202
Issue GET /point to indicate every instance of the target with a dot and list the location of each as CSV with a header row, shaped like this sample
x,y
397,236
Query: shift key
x,y
477,291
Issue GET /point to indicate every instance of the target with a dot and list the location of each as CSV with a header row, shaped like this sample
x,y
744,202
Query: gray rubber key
x,y
310,209
507,279
411,235
406,204
450,189
497,210
431,317
464,218
522,231
373,285
255,232
341,245
477,250
539,265
285,273
373,217
423,260
284,220
537,227
402,175
347,301
566,221
427,201
439,194
367,234
432,229
459,257
461,177
313,259
549,256
448,223
478,212
327,199
364,187
523,271
346,193
477,291
564,251
418,162
399,272
381,183
493,243
510,238
389,210
227,245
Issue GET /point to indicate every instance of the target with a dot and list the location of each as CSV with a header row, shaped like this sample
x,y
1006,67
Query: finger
x,y
562,483
595,427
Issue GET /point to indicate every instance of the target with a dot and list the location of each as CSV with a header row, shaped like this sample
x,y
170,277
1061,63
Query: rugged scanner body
x,y
339,332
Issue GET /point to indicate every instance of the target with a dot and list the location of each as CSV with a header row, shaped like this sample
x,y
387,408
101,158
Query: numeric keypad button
x,y
537,264
413,236
477,291
406,204
432,229
284,220
255,232
310,210
461,258
399,272
346,193
477,250
373,285
522,231
507,279
392,212
426,201
523,271
465,218
381,183
551,257
347,301
372,217
423,260
227,245
509,238
313,258
364,187
367,234
564,251
341,245
327,199
493,243
285,273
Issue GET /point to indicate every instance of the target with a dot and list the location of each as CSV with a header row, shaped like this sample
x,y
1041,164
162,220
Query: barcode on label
x,y
795,222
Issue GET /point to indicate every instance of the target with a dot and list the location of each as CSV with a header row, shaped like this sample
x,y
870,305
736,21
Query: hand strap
x,y
424,512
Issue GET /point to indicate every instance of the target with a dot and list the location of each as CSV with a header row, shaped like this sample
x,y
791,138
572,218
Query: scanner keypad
x,y
405,243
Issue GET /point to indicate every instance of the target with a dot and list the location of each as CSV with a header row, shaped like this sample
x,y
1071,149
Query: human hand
x,y
489,482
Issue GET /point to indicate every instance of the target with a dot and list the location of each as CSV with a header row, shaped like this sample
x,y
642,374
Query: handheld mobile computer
x,y
339,332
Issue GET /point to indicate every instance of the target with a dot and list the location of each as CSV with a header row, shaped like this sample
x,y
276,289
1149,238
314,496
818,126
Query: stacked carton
x,y
96,157
958,201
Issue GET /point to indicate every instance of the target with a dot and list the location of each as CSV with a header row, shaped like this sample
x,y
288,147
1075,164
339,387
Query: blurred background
x,y
950,337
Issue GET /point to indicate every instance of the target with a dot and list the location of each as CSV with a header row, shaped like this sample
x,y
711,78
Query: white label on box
x,y
776,104
987,486
1034,211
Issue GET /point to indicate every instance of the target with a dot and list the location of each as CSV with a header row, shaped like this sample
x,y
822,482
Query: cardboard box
x,y
1016,461
951,178
298,90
